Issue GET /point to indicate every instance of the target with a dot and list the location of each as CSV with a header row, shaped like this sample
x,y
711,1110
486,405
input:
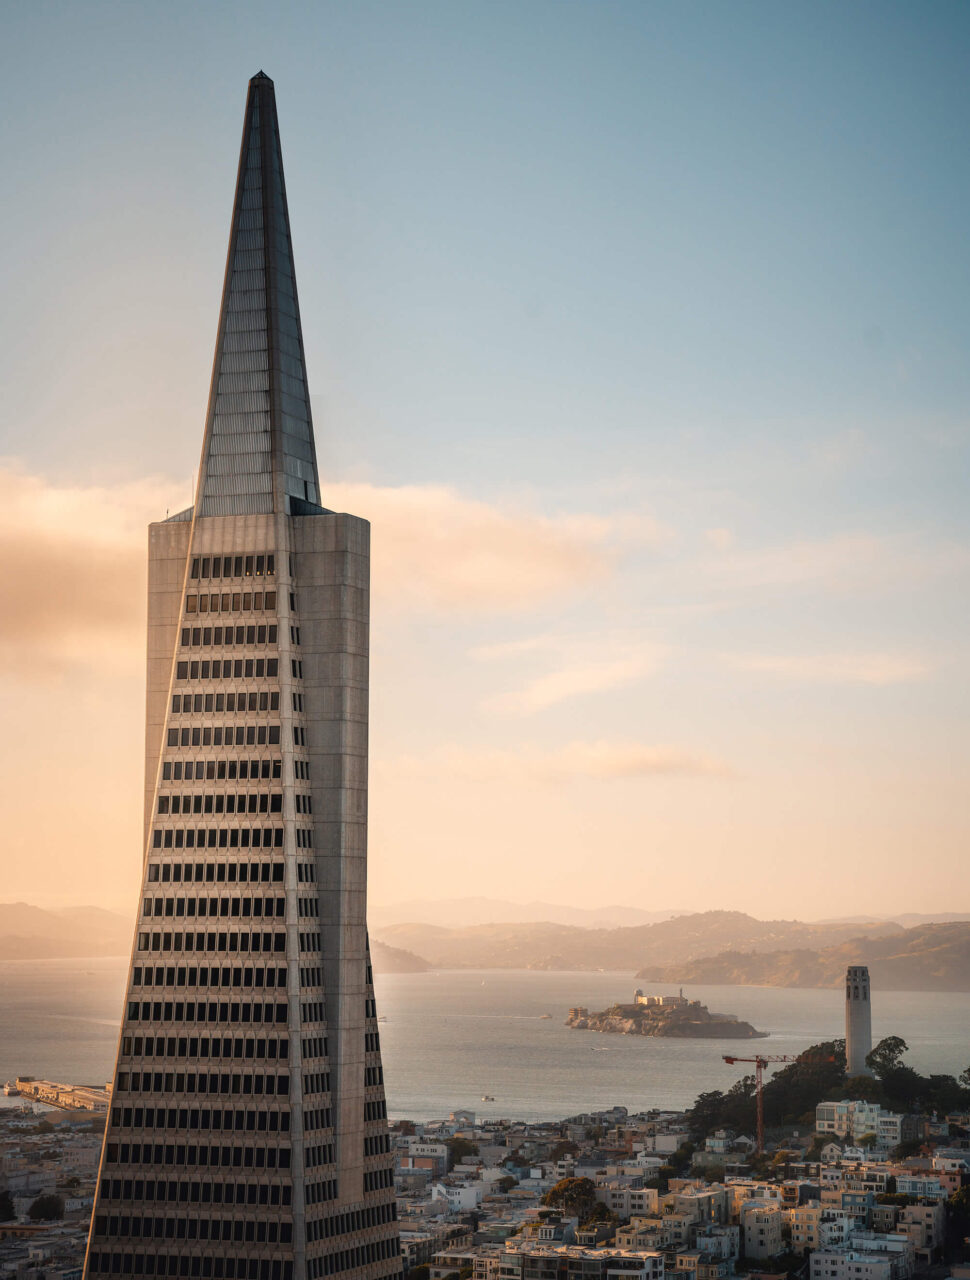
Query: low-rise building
x,y
571,1262
845,1264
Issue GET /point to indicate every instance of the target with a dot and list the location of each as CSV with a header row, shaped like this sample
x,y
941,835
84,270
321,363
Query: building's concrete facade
x,y
247,1135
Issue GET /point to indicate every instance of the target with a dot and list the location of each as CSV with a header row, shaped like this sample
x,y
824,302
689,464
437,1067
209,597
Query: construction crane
x,y
760,1062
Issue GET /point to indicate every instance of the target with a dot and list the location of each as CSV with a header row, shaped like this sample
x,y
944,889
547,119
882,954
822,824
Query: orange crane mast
x,y
760,1062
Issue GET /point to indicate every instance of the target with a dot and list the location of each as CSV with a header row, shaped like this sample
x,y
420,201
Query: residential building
x,y
571,1262
921,1186
815,1226
761,1224
924,1225
845,1264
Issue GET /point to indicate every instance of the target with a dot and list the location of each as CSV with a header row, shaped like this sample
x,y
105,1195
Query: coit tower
x,y
858,1020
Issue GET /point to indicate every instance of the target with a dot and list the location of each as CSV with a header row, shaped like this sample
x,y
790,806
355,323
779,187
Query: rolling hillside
x,y
32,933
557,946
933,957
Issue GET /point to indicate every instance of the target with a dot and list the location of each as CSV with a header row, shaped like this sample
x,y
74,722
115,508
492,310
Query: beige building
x,y
761,1225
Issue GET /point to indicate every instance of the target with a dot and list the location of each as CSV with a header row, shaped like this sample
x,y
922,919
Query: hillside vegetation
x,y
933,957
555,946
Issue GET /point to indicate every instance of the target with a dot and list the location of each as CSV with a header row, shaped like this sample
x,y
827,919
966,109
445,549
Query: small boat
x,y
544,1016
487,1097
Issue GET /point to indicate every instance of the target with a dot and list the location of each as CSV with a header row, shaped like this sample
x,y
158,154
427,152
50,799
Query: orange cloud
x,y
76,560
602,761
434,549
571,666
76,572
836,668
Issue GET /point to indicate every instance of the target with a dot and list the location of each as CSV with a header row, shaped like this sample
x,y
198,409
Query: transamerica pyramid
x,y
247,1135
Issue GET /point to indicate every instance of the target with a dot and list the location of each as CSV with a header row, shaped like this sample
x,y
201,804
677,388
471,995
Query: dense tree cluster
x,y
818,1075
46,1208
576,1197
458,1149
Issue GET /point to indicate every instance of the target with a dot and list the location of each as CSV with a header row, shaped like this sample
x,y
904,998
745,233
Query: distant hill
x,y
542,945
31,933
934,957
908,919
387,959
458,912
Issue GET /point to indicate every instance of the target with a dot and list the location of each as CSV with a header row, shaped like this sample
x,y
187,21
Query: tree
x,y
46,1208
600,1213
43,1126
458,1148
420,1272
887,1055
942,1094
958,1222
706,1115
562,1149
664,1174
910,1147
681,1158
7,1211
797,1088
574,1196
506,1183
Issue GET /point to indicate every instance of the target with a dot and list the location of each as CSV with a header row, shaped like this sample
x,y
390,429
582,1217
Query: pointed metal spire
x,y
258,455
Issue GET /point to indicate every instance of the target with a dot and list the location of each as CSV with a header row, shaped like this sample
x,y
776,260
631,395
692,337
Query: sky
x,y
638,331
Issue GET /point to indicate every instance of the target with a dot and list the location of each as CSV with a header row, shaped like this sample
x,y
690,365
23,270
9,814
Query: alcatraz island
x,y
673,1016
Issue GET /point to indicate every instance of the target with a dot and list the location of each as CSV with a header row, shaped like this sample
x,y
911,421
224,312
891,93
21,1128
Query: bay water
x,y
452,1038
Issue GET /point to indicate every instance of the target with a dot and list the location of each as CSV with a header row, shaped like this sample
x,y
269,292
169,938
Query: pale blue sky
x,y
700,264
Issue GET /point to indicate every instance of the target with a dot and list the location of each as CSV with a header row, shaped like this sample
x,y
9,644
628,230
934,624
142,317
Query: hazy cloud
x,y
855,561
76,560
433,548
572,666
602,761
75,567
836,668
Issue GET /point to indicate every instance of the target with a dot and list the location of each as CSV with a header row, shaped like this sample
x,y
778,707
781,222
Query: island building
x,y
663,1002
858,1020
247,1132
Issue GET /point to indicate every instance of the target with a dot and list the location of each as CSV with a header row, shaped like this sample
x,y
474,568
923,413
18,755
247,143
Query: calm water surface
x,y
452,1036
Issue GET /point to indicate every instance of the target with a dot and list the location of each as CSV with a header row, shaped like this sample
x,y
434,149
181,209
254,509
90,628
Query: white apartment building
x,y
846,1264
721,1242
460,1198
853,1118
816,1226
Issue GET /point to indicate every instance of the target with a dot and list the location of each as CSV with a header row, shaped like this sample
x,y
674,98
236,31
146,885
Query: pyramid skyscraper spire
x,y
247,1136
258,455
